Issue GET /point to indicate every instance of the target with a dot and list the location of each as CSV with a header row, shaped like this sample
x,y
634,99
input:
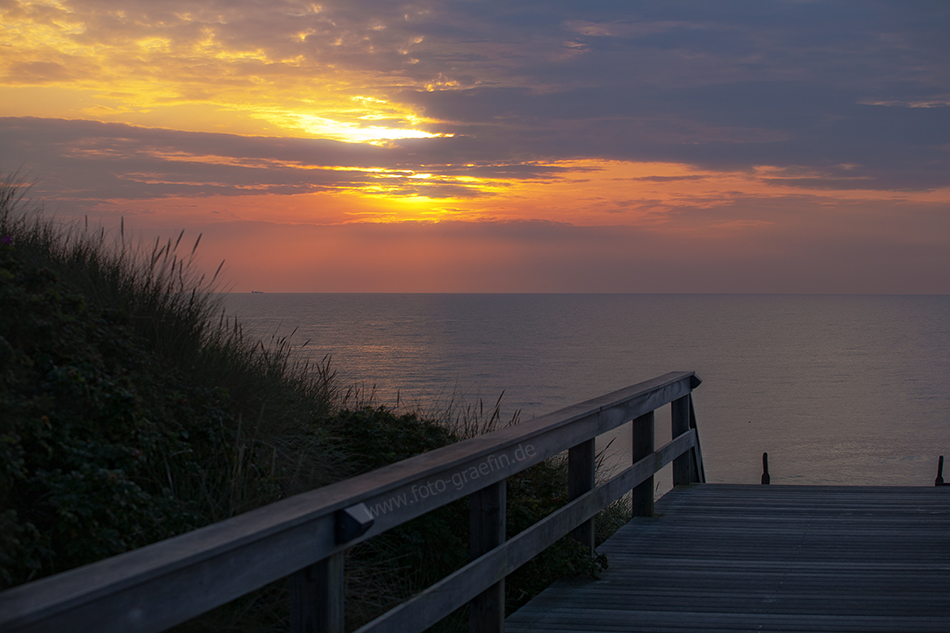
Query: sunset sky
x,y
476,146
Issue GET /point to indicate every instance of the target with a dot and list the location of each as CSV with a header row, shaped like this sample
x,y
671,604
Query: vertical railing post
x,y
316,597
643,445
487,531
580,479
697,453
683,468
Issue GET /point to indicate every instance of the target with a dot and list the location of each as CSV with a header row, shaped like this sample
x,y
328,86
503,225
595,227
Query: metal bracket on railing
x,y
353,522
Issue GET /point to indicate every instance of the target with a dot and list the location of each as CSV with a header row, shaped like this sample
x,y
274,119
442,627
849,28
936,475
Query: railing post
x,y
697,453
683,468
643,445
580,479
316,597
487,531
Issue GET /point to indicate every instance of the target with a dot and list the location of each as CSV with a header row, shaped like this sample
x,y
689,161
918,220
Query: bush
x,y
124,404
413,556
134,410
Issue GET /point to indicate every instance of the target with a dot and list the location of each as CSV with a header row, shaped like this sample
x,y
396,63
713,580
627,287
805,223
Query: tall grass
x,y
172,306
124,379
116,348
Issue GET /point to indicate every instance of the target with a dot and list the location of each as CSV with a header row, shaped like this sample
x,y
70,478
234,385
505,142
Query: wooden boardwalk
x,y
713,557
766,558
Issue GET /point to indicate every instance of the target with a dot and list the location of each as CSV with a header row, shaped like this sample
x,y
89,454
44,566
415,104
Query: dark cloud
x,y
720,126
723,86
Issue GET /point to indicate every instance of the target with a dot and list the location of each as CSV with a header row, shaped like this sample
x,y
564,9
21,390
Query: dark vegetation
x,y
132,410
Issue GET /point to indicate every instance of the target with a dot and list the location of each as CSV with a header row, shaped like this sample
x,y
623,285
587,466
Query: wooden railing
x,y
305,536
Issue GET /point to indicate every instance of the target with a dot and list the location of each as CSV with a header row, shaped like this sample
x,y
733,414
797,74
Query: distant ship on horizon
x,y
257,292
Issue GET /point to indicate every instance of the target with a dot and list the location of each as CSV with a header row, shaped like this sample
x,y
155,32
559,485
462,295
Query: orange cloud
x,y
537,256
399,148
237,69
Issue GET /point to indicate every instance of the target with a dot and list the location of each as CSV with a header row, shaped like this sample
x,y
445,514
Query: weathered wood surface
x,y
158,586
436,602
316,602
643,443
487,514
581,477
766,558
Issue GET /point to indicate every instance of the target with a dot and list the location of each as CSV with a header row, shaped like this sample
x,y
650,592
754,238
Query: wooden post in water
x,y
487,523
683,466
580,479
316,597
643,443
766,478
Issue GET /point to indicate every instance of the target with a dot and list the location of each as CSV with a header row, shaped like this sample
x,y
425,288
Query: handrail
x,y
304,537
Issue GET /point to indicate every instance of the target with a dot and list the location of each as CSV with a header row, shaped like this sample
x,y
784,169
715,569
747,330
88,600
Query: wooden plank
x,y
779,558
581,466
643,430
158,586
443,597
316,597
487,531
697,453
683,472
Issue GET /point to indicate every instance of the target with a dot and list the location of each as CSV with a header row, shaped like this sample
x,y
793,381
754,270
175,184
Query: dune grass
x,y
135,409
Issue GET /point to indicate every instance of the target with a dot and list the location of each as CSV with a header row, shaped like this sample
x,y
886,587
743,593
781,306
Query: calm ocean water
x,y
837,389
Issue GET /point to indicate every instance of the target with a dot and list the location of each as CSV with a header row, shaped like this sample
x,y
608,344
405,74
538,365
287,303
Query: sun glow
x,y
603,193
348,131
191,71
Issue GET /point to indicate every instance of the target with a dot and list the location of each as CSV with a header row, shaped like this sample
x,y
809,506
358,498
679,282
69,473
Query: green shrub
x,y
131,413
133,410
99,435
413,556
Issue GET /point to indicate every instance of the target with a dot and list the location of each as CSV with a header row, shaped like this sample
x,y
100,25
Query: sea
x,y
837,389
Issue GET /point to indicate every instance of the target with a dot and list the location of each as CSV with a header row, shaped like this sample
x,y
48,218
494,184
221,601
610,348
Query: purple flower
x,y
6,240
